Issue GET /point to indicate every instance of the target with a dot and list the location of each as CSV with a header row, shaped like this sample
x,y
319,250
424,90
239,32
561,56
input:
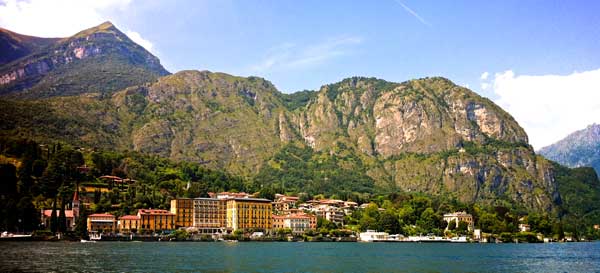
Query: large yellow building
x,y
129,223
183,208
209,215
156,219
246,213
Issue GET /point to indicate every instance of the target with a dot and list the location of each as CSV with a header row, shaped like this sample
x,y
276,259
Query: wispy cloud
x,y
293,56
413,13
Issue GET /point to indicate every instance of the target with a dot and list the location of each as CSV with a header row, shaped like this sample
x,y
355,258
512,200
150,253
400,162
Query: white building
x,y
298,223
458,217
331,213
524,228
373,235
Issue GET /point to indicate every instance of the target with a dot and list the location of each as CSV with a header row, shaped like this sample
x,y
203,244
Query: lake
x,y
297,257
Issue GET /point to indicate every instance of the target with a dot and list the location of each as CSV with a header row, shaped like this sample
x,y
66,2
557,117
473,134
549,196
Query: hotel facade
x,y
249,213
209,215
156,220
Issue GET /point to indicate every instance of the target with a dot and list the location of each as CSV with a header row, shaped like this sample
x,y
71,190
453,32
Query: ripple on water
x,y
297,257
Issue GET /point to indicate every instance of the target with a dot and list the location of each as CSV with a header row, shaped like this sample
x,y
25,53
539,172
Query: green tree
x,y
388,222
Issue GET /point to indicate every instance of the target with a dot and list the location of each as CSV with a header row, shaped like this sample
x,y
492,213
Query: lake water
x,y
297,257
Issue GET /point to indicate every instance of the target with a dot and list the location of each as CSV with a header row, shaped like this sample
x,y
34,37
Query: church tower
x,y
75,206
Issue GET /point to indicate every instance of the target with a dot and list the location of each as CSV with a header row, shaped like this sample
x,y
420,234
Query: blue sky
x,y
305,44
456,39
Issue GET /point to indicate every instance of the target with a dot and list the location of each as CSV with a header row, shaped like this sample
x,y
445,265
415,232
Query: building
x,y
209,215
75,205
128,223
312,220
278,221
46,216
458,217
284,203
477,234
229,195
331,213
71,215
248,213
372,235
101,222
524,228
349,207
298,223
156,220
183,208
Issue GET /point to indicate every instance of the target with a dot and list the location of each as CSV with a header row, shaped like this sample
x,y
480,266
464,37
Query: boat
x,y
86,241
461,239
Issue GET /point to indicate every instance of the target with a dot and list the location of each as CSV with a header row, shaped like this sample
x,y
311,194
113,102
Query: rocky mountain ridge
x,y
14,46
99,59
578,149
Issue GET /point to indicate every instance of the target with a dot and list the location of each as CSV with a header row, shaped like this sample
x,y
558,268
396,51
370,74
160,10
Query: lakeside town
x,y
87,195
240,216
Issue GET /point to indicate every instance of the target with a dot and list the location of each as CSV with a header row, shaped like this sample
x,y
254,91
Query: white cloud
x,y
413,13
484,76
484,86
62,18
549,107
59,18
137,38
292,56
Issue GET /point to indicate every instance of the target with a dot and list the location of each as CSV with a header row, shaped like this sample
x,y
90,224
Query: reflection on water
x,y
299,257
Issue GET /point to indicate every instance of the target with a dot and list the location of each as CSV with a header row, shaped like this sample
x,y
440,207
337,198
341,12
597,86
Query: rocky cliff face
x,y
424,116
579,149
99,59
424,135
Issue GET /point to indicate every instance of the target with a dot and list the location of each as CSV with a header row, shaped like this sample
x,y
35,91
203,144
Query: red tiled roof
x,y
48,213
101,215
292,216
129,217
155,212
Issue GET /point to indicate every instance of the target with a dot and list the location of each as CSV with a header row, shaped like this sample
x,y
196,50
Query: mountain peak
x,y
106,27
580,148
106,24
102,55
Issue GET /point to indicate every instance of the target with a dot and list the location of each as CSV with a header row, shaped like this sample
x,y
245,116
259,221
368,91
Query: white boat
x,y
461,239
373,236
86,241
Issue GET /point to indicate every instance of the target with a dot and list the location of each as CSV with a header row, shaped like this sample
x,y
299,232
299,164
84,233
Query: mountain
x,y
580,148
100,59
359,134
14,46
98,89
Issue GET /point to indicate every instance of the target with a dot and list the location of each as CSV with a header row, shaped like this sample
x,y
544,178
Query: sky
x,y
539,60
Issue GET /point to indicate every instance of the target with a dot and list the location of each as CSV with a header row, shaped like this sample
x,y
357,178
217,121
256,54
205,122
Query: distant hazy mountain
x,y
99,59
581,148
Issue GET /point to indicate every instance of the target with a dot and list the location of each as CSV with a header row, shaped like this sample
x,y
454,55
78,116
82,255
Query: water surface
x,y
297,257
